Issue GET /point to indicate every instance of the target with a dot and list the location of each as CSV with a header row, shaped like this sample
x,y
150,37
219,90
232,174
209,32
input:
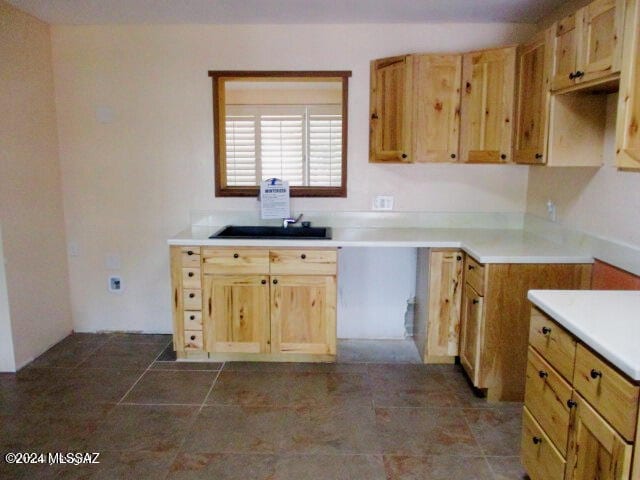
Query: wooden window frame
x,y
218,78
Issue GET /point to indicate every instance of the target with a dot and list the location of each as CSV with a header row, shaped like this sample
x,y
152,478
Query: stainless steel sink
x,y
278,233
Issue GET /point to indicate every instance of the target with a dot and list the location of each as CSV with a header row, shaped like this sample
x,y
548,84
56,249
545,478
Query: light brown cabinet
x,y
471,333
391,109
486,129
587,44
532,100
254,303
438,303
567,428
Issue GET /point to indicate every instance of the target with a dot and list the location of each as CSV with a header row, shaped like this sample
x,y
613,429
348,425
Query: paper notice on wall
x,y
274,199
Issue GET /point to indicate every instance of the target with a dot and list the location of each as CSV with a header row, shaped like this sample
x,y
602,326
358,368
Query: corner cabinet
x,y
580,415
488,90
254,303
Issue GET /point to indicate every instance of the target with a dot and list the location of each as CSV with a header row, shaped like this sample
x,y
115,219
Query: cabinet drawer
x,y
612,395
192,299
233,261
193,320
554,343
546,397
191,278
474,274
190,256
303,262
540,458
193,340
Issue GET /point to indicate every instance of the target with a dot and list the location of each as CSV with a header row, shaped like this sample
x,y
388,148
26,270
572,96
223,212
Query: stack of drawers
x,y
580,414
191,283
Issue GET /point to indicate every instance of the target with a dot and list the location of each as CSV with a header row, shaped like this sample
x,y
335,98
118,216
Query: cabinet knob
x,y
459,257
579,74
546,330
471,267
571,403
263,282
595,373
543,374
503,156
193,337
475,301
453,155
190,274
235,255
539,156
190,252
191,295
374,116
572,76
536,440
275,281
404,155
192,317
303,256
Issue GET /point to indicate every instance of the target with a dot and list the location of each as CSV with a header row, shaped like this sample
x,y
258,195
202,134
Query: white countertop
x,y
606,321
485,245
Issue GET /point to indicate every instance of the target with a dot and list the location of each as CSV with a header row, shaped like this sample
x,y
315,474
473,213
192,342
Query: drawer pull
x,y
546,330
475,301
595,373
471,267
503,156
190,274
235,255
192,295
459,257
303,256
537,440
571,403
193,337
275,281
192,317
190,252
453,155
263,282
543,374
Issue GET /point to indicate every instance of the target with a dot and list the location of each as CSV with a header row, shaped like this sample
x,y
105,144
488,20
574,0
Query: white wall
x,y
7,358
132,182
30,192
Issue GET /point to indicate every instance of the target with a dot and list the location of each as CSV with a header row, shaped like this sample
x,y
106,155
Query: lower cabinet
x,y
564,435
256,304
471,332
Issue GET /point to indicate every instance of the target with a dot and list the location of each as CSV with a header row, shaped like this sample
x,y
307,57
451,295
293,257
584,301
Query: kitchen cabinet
x,y
494,328
391,109
487,111
628,129
436,107
587,45
254,303
438,303
532,101
580,413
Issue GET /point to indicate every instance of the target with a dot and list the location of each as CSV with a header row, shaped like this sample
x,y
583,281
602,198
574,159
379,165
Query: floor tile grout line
x,y
475,437
206,397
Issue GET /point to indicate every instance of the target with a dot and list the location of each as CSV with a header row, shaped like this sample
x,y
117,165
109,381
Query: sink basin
x,y
278,233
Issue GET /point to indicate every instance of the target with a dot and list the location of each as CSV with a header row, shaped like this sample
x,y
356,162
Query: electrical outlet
x,y
383,202
115,284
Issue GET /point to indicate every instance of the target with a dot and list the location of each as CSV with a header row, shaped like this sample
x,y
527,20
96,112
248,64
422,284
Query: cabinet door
x,y
236,316
471,331
628,128
445,292
596,451
390,110
436,110
303,314
566,46
488,82
532,104
602,33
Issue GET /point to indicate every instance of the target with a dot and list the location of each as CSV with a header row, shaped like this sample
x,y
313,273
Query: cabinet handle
x,y
191,295
190,252
503,156
537,440
595,373
235,255
192,317
471,267
572,76
546,330
459,257
303,256
275,281
263,282
475,301
571,403
453,155
539,156
190,274
374,116
579,74
193,337
404,155
543,374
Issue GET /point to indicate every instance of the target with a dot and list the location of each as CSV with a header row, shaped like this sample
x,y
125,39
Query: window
x,y
301,144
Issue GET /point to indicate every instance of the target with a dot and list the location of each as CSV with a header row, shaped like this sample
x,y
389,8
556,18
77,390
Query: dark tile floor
x,y
157,419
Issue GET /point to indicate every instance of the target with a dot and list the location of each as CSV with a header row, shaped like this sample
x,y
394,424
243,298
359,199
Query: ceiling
x,y
83,12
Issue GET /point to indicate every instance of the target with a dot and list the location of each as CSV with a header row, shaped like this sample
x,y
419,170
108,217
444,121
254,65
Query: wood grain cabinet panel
x,y
602,34
554,343
303,314
391,109
236,313
436,109
235,261
566,45
303,262
488,91
540,458
532,101
471,334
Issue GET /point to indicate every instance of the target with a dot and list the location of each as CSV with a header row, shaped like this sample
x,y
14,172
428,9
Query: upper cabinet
x,y
391,110
436,107
532,100
487,106
587,45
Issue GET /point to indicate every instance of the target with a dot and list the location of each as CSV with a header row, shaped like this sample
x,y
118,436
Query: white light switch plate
x,y
383,202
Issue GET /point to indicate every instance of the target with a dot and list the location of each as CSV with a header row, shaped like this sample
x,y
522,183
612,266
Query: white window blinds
x,y
300,144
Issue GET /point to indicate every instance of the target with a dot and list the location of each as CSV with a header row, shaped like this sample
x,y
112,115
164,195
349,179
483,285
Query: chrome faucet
x,y
287,221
